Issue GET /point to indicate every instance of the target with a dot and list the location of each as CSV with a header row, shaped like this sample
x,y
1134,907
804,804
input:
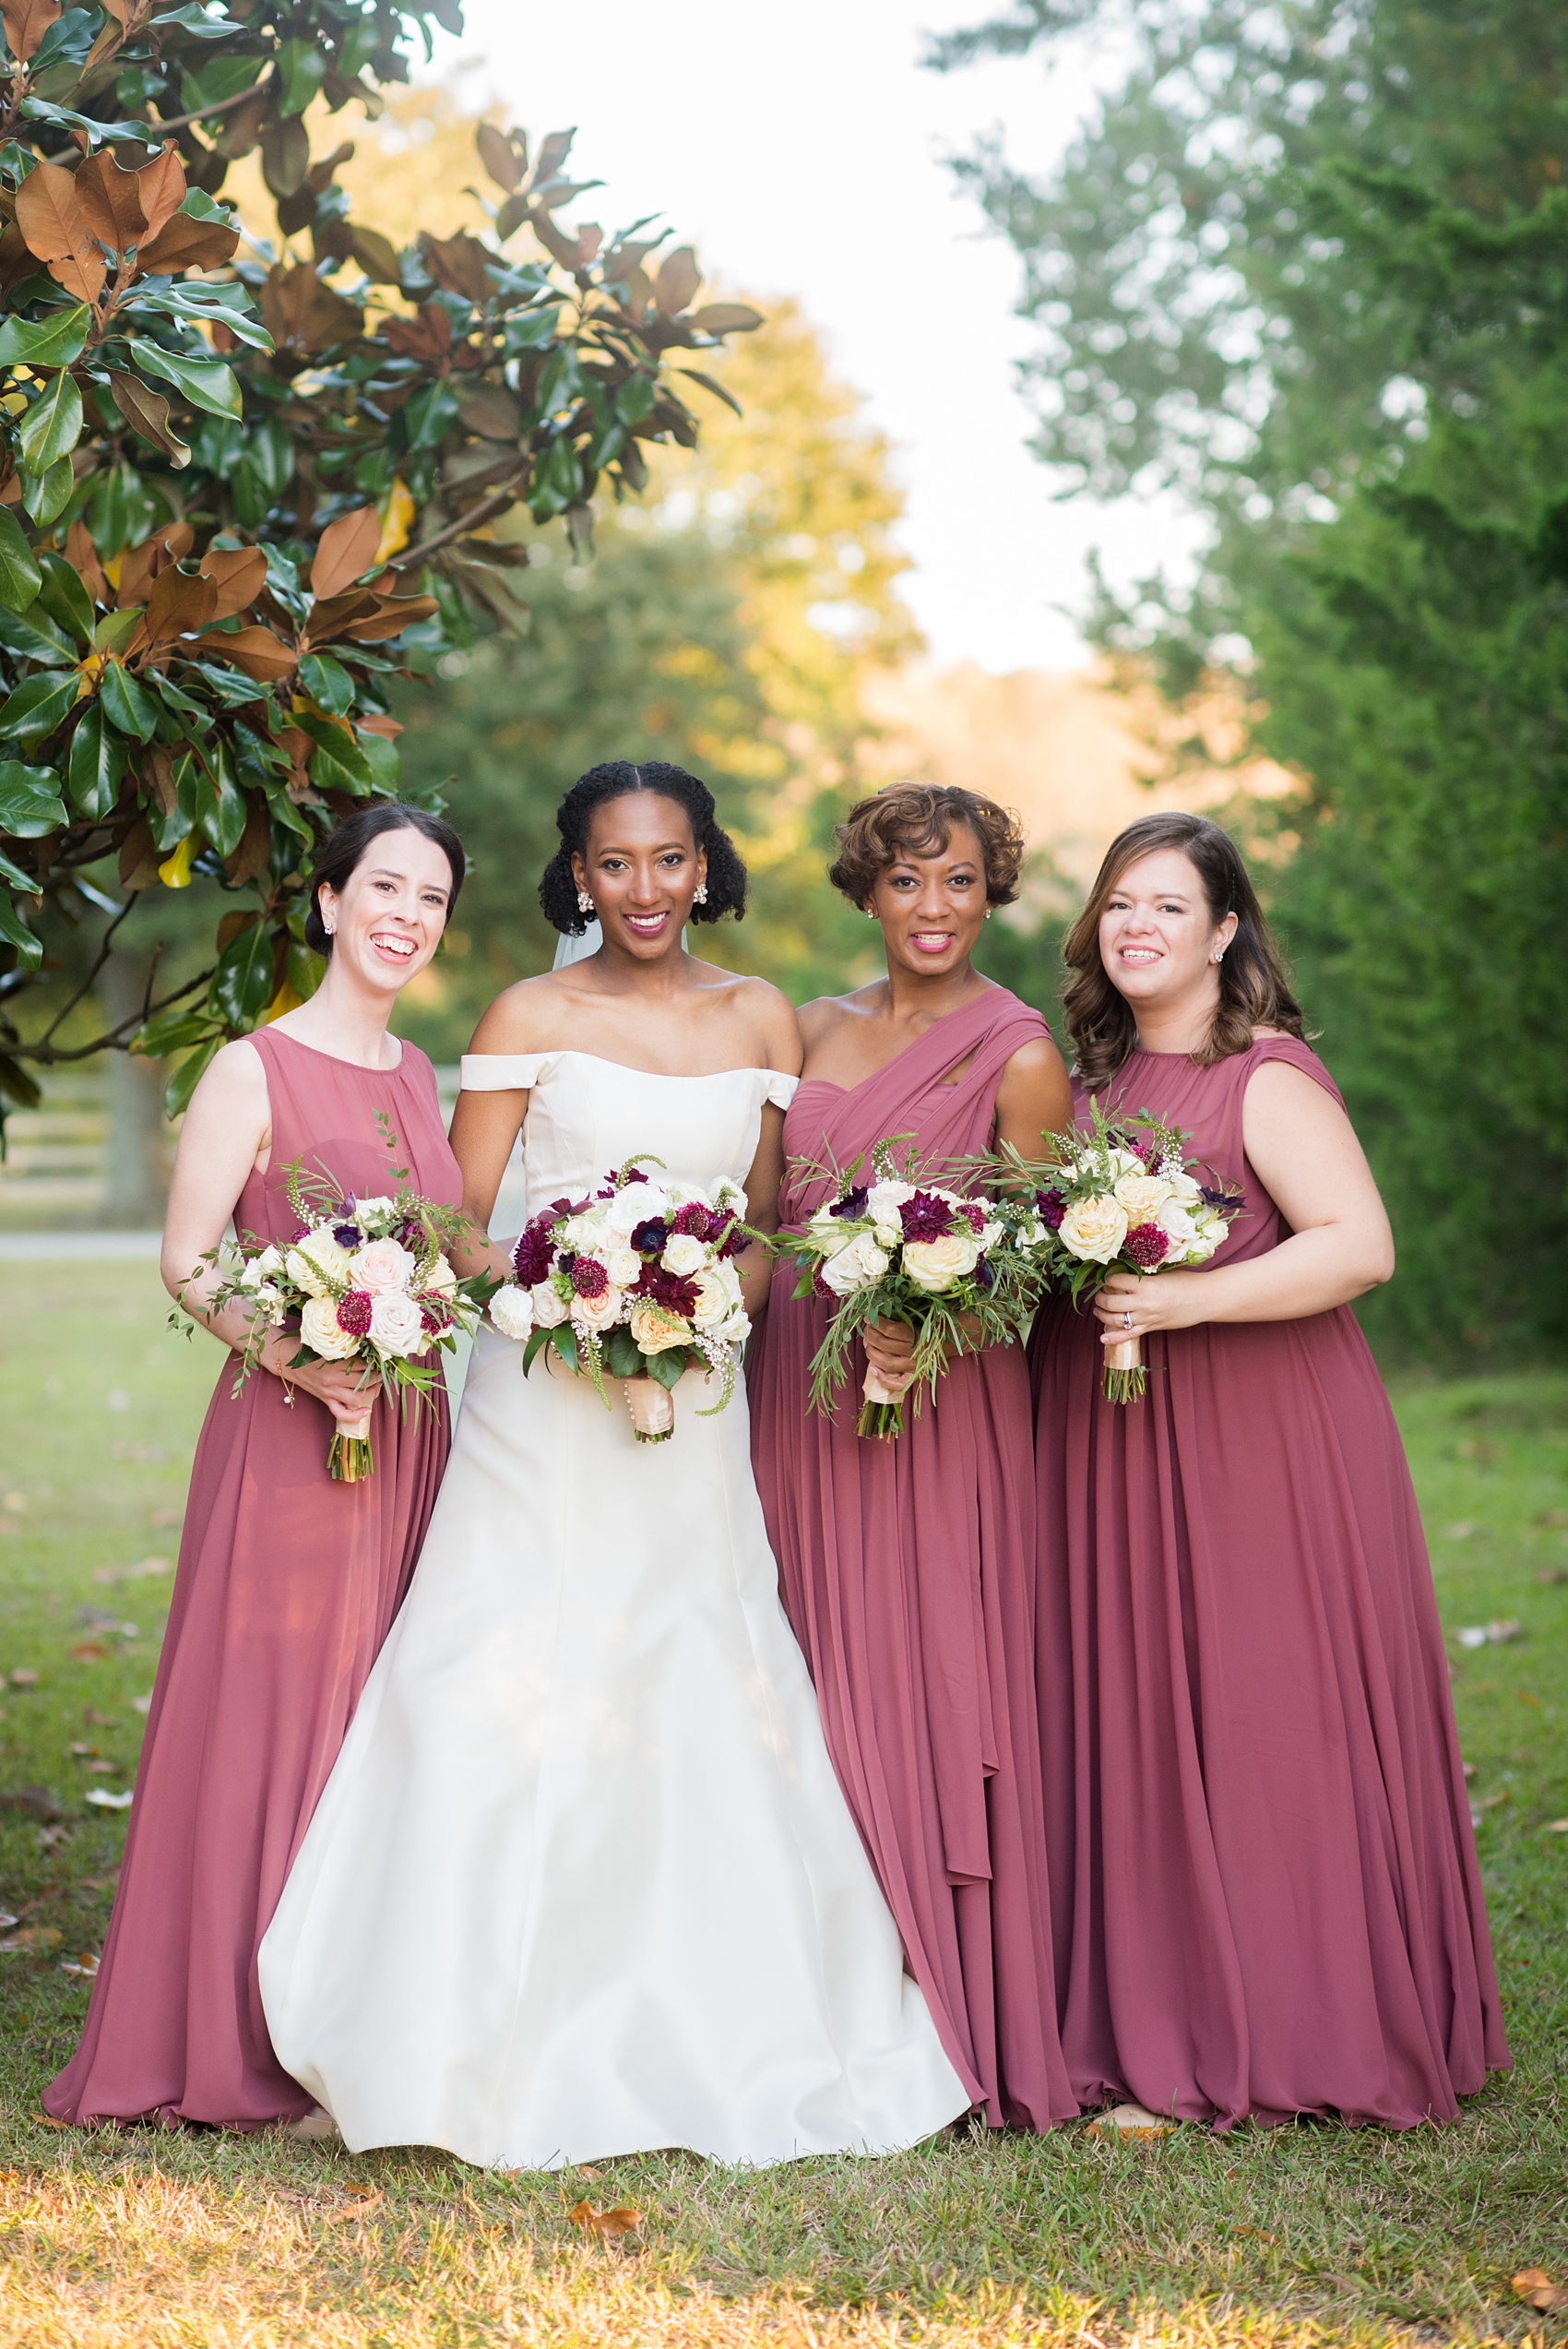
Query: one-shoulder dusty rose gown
x,y
1264,1879
287,1586
907,1569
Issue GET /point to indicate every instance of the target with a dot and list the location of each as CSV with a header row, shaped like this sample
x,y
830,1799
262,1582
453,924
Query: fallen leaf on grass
x,y
1262,2232
362,2197
1528,1696
1552,1517
1493,1634
609,2225
36,1801
88,1652
142,1704
1553,1574
35,1936
24,1676
97,1720
1537,2290
1557,1827
47,2120
1487,1802
86,1965
106,1801
1458,1532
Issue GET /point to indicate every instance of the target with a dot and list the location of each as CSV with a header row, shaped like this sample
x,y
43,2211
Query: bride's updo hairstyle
x,y
1254,982
349,843
919,820
726,873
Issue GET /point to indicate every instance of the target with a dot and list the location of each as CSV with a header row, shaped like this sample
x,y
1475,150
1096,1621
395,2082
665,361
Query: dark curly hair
x,y
922,817
726,873
348,844
1254,982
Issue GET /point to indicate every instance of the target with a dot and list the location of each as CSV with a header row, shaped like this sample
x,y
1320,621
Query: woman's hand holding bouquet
x,y
960,1272
1118,1204
639,1281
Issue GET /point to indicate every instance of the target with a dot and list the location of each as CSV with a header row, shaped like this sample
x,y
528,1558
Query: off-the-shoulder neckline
x,y
570,1052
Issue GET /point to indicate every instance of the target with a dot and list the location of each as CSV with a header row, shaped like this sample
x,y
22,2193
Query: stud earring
x,y
1220,955
988,912
330,928
585,903
699,895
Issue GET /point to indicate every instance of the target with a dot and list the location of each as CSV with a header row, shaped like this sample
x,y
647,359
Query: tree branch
x,y
105,948
113,1039
496,503
179,122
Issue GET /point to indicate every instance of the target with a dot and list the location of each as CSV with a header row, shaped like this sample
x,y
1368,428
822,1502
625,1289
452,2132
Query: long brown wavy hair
x,y
1255,984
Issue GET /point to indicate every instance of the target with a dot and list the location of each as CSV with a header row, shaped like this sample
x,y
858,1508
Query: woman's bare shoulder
x,y
522,1017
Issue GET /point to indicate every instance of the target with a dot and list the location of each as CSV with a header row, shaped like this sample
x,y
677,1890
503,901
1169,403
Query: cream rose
x,y
935,1265
719,1294
684,1254
322,1331
549,1309
884,1199
440,1281
852,1267
623,1266
1142,1196
655,1330
396,1326
1094,1228
318,1264
511,1309
598,1313
634,1206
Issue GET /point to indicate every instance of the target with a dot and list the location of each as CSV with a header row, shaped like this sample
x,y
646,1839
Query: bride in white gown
x,y
582,1883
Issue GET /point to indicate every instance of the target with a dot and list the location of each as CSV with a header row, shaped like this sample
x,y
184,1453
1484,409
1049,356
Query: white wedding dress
x,y
582,1883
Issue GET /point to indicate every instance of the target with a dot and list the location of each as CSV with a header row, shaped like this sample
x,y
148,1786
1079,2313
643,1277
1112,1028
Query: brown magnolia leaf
x,y
428,336
678,280
565,249
1535,2288
285,155
178,605
397,613
139,859
332,612
82,556
726,317
155,772
387,728
81,274
500,158
50,214
185,244
24,1676
255,852
606,2224
111,196
147,412
491,410
27,21
376,255
552,153
237,134
346,551
257,652
458,264
238,573
232,926
35,1936
301,314
163,187
142,563
15,256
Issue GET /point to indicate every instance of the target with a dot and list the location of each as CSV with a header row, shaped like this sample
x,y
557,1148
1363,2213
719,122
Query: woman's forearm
x,y
1311,1272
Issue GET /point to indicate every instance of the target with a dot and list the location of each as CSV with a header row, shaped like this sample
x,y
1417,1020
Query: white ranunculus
x,y
1142,1196
396,1326
318,1264
887,1236
322,1331
936,1265
549,1308
990,1234
728,1194
623,1266
684,1253
598,1313
854,1266
441,1280
1094,1228
511,1309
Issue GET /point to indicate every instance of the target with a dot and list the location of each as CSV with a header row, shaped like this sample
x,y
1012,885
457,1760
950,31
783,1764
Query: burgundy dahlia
x,y
588,1276
353,1313
692,1219
671,1290
1147,1246
925,1217
1051,1207
650,1237
534,1252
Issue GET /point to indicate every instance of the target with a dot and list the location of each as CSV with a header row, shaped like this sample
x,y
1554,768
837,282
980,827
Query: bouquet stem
x,y
350,1460
882,1413
1125,1376
653,1411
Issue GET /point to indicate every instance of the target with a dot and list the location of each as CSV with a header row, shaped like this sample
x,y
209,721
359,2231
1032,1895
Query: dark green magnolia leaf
x,y
32,636
29,945
36,708
535,331
216,79
338,763
23,1089
303,970
46,495
242,984
188,1077
12,872
328,682
227,305
53,425
57,340
301,66
20,577
65,599
206,383
635,399
170,1032
30,803
115,630
128,702
223,804
430,415
96,764
382,758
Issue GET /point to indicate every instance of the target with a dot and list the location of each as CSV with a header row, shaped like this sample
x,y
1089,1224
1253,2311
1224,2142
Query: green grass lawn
x,y
1307,2234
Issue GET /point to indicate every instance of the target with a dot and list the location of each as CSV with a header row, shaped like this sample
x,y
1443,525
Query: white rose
x,y
321,1331
1094,1228
1182,1183
854,1266
373,1210
1211,1230
990,1234
877,1260
268,1262
935,1265
623,1266
1142,1196
887,1236
1177,1227
441,1280
575,1232
318,1264
884,1198
598,1313
728,1194
511,1309
381,1266
396,1326
548,1310
684,1253
269,1300
714,1303
736,1330
629,1208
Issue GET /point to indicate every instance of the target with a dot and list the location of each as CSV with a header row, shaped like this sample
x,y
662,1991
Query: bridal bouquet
x,y
366,1281
636,1281
1122,1199
963,1272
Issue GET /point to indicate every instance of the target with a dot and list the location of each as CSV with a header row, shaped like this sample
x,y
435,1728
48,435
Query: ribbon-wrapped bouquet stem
x,y
963,1272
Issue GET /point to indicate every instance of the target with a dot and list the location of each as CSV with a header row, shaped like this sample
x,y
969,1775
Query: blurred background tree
x,y
1308,265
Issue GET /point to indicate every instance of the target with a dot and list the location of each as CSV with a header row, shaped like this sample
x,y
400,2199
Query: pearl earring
x,y
1220,955
585,903
699,895
988,912
329,928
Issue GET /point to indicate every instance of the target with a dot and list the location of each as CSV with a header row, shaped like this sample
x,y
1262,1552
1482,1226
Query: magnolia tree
x,y
239,485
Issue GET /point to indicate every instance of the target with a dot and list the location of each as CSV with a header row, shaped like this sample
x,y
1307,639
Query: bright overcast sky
x,y
799,149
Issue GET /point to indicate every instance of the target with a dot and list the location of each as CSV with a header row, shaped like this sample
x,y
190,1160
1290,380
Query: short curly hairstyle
x,y
614,780
921,817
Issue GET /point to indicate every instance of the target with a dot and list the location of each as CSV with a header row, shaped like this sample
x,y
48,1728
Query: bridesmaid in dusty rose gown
x,y
906,1566
287,1583
1264,1880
